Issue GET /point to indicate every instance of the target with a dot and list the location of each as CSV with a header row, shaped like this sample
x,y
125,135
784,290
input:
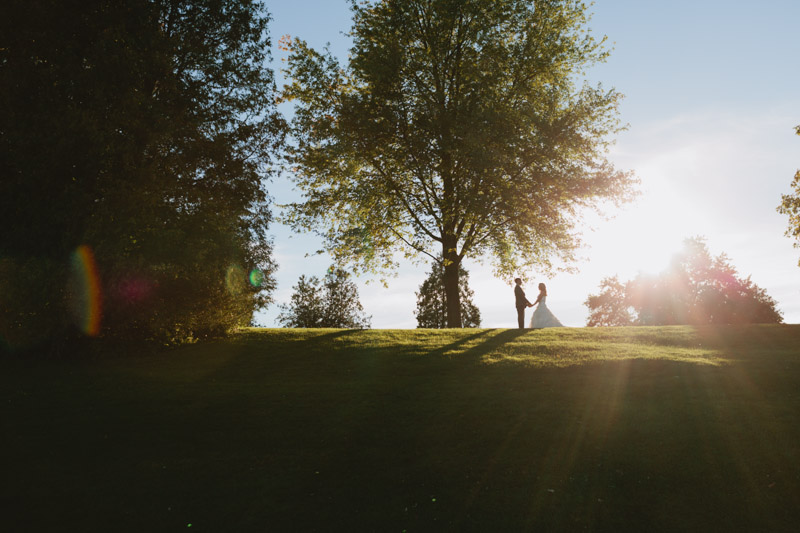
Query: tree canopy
x,y
696,289
612,306
457,128
141,130
790,205
330,303
431,309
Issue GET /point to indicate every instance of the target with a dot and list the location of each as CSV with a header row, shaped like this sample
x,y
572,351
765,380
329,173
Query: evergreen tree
x,y
306,308
431,309
330,303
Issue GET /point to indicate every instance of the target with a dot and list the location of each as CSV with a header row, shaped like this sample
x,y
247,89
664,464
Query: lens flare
x,y
235,279
86,296
133,290
256,278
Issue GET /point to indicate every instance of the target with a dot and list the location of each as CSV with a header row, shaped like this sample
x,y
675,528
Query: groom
x,y
522,302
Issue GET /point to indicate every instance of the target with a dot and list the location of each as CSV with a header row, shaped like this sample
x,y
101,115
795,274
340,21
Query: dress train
x,y
543,317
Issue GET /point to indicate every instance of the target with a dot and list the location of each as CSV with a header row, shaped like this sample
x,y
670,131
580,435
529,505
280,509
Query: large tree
x,y
142,130
431,309
790,205
696,289
457,128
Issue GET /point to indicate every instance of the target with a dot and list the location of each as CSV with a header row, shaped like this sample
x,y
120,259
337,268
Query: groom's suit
x,y
522,303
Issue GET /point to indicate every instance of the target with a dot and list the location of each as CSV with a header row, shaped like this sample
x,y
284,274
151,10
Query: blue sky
x,y
712,95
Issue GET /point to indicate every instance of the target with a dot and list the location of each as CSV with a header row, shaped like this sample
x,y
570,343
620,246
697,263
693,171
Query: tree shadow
x,y
460,342
492,344
329,336
488,345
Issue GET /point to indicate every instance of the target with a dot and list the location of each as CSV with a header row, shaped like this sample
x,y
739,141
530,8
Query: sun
x,y
644,236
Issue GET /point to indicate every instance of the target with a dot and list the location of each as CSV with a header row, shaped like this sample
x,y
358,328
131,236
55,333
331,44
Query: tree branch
x,y
400,195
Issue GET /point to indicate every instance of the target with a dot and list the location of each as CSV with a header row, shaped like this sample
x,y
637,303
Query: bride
x,y
542,317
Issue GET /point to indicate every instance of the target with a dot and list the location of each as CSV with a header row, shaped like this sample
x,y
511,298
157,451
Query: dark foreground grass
x,y
619,429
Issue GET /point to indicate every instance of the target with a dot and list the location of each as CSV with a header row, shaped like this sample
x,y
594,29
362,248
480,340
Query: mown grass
x,y
609,429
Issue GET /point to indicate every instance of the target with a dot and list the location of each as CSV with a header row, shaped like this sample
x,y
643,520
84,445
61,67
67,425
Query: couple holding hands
x,y
542,317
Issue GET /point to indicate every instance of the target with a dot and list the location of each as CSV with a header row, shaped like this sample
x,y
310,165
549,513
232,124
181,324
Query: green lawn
x,y
607,429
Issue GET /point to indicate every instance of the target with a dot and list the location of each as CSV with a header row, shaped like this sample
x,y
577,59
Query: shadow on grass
x,y
366,355
490,345
443,350
385,431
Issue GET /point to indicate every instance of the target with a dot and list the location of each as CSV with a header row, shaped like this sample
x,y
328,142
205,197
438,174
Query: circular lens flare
x,y
235,279
256,278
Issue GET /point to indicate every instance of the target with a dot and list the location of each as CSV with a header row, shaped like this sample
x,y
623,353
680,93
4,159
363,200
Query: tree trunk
x,y
452,297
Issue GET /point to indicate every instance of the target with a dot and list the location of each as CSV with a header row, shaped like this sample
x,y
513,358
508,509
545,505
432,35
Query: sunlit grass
x,y
555,347
609,429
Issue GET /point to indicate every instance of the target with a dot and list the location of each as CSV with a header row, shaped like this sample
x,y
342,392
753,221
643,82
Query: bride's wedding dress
x,y
543,318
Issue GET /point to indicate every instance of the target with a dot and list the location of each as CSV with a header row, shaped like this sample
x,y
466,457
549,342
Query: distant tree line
x,y
329,303
696,289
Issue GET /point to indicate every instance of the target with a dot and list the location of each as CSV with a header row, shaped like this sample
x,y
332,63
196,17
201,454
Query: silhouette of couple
x,y
542,317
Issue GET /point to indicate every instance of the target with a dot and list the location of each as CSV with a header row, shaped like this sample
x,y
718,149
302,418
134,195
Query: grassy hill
x,y
608,429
